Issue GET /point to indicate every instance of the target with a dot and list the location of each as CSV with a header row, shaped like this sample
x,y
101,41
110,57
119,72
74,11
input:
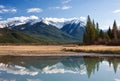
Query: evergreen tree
x,y
97,31
93,23
106,37
89,34
87,31
93,34
93,31
101,35
115,31
119,35
109,32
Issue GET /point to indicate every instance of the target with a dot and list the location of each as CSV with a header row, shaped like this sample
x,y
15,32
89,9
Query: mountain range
x,y
41,30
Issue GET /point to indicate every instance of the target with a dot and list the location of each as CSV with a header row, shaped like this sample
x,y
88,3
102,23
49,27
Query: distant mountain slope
x,y
46,32
75,29
57,22
11,36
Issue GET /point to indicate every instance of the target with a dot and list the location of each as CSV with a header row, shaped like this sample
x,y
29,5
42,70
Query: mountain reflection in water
x,y
12,67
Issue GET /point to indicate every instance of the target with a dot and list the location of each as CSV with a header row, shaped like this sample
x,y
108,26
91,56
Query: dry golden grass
x,y
50,50
29,49
95,49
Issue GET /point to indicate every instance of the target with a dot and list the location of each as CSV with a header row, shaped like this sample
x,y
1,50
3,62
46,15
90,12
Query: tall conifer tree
x,y
115,31
89,34
109,32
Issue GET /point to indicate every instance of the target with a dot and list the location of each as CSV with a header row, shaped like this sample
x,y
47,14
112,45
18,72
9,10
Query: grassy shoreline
x,y
95,49
56,50
92,51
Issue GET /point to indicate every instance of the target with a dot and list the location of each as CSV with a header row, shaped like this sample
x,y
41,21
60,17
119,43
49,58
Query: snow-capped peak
x,y
57,22
15,21
60,22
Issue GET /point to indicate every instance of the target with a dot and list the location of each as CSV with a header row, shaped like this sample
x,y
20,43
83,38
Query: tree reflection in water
x,y
82,65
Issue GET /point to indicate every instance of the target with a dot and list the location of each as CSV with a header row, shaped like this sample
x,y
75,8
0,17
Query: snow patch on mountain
x,y
60,22
57,22
15,21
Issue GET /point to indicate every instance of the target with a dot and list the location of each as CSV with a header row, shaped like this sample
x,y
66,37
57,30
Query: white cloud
x,y
11,10
65,1
54,8
1,6
22,18
66,7
116,11
37,10
83,18
61,8
4,9
117,79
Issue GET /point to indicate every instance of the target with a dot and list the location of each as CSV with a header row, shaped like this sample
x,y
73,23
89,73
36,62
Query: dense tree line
x,y
94,35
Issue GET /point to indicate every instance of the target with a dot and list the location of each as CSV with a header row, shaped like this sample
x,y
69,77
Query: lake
x,y
82,68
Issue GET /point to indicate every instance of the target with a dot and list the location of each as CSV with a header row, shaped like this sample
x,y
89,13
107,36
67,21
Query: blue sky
x,y
102,11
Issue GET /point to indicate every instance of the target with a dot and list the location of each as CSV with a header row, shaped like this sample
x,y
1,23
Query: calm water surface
x,y
13,68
